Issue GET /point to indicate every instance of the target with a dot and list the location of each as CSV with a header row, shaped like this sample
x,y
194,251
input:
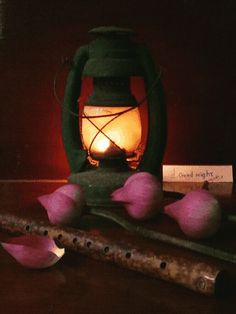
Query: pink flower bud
x,y
65,205
141,195
198,214
34,251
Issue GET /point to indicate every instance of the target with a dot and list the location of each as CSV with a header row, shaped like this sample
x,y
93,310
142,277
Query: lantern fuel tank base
x,y
99,184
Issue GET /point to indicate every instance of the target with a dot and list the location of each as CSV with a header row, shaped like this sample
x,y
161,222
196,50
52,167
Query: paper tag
x,y
189,173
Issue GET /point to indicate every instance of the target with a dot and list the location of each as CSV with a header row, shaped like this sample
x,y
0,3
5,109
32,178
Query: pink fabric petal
x,y
61,209
198,214
33,251
118,196
143,176
65,205
141,195
74,191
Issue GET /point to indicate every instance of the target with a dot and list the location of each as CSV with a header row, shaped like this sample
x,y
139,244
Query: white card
x,y
197,173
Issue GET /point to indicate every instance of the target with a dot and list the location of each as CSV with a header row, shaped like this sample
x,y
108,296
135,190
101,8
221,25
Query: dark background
x,y
193,41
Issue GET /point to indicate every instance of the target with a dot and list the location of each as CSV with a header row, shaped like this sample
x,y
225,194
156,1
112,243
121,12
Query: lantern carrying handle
x,y
156,139
76,155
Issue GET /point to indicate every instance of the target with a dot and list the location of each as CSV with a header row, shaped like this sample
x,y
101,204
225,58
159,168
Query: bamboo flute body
x,y
198,276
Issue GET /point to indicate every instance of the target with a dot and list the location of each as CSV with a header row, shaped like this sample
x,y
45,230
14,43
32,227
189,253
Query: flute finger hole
x,y
128,255
89,244
163,265
45,233
75,240
106,249
27,227
59,237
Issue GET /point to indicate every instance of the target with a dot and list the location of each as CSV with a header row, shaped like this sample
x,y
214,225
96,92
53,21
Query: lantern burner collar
x,y
99,184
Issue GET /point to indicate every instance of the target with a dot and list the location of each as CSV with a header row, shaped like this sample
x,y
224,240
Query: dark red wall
x,y
193,41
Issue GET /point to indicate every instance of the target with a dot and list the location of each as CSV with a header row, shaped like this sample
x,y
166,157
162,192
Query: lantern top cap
x,y
111,30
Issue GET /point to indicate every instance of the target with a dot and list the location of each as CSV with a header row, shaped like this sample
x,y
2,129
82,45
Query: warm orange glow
x,y
125,131
102,144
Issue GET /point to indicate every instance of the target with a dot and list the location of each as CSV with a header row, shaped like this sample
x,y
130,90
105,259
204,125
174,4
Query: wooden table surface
x,y
79,284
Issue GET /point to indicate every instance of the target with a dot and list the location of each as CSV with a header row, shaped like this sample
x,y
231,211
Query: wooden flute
x,y
201,277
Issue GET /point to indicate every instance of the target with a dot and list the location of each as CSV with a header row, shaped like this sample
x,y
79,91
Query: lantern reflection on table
x,y
113,118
